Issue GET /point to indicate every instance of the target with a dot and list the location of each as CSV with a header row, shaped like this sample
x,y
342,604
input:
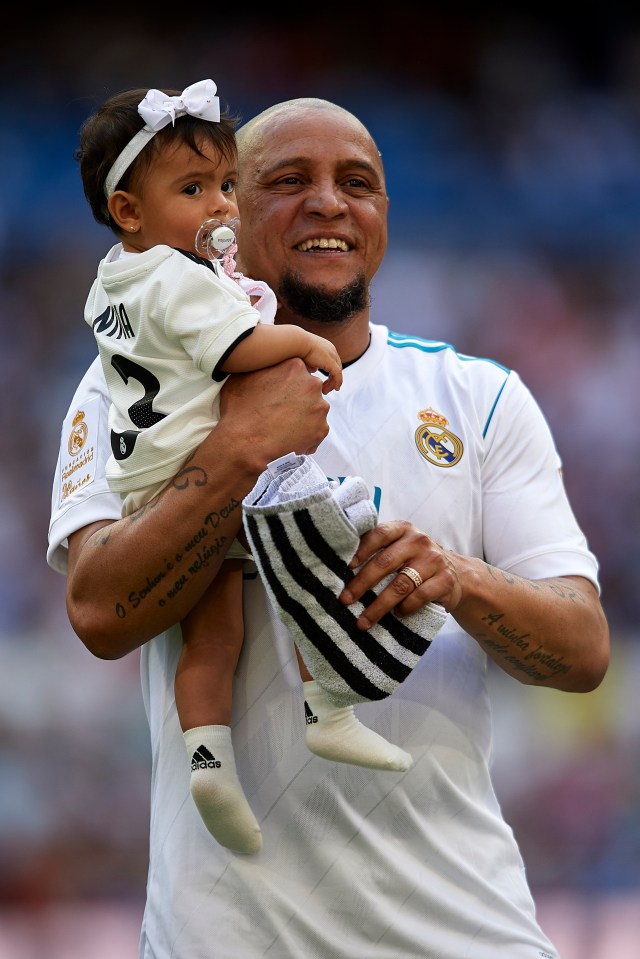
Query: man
x,y
356,864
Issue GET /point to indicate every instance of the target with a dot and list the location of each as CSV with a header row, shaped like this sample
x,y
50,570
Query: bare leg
x,y
213,633
305,675
335,732
212,636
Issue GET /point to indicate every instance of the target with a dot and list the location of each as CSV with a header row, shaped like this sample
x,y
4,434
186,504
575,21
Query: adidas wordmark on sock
x,y
217,792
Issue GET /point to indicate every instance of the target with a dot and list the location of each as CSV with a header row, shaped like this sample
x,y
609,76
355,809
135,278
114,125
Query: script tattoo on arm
x,y
203,545
520,651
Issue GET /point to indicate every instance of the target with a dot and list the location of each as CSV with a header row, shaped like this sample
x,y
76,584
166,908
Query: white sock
x,y
334,732
216,789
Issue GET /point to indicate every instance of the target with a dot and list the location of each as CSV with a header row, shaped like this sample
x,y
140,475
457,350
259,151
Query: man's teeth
x,y
324,244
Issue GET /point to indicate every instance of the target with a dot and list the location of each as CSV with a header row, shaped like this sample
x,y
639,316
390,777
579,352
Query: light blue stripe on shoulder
x,y
401,340
482,359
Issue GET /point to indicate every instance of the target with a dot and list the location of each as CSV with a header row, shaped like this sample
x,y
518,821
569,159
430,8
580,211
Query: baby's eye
x,y
228,186
193,189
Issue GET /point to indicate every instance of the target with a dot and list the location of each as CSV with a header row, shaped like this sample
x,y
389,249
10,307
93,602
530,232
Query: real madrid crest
x,y
78,434
435,442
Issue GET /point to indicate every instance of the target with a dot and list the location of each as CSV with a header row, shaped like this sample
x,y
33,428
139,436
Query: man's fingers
x,y
420,571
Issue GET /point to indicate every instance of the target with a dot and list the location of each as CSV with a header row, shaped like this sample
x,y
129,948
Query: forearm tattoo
x,y
203,544
506,641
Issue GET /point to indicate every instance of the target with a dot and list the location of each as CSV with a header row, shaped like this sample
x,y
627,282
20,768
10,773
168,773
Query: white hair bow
x,y
158,110
198,100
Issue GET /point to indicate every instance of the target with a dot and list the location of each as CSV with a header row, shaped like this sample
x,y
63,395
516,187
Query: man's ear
x,y
124,211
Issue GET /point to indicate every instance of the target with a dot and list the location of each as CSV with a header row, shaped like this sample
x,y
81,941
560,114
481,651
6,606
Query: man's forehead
x,y
349,159
337,151
312,138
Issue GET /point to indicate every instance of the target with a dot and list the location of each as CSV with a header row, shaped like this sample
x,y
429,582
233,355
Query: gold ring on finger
x,y
413,575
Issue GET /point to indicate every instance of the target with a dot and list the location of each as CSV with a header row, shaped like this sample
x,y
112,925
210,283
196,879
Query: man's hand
x,y
275,411
388,548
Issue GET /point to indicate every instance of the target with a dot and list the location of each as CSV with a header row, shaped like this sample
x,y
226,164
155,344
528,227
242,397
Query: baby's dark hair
x,y
105,134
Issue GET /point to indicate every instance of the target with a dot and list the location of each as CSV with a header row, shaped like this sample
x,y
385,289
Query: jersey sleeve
x,y
208,313
529,526
80,492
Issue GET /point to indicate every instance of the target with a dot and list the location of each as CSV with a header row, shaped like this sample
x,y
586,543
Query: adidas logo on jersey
x,y
203,759
308,715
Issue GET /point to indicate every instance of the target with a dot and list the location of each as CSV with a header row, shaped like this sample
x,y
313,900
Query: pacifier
x,y
215,237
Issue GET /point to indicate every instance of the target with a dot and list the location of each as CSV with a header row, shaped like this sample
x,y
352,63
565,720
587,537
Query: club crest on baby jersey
x,y
78,469
435,442
78,434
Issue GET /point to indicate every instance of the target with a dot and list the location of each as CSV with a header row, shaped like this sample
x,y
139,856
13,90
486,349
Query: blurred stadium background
x,y
512,150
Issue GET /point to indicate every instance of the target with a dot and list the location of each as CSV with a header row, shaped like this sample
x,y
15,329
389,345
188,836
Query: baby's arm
x,y
268,345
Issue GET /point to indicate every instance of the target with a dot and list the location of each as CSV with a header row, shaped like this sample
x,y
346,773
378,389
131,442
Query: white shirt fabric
x,y
360,864
164,322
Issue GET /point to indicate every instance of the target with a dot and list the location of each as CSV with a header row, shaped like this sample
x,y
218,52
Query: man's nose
x,y
325,199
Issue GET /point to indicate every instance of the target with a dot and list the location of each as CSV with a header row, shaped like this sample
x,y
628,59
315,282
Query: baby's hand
x,y
322,355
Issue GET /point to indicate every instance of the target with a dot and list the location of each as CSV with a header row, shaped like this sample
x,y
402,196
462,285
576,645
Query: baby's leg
x,y
212,635
335,733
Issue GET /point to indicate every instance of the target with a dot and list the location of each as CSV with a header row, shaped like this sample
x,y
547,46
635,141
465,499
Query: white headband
x,y
157,110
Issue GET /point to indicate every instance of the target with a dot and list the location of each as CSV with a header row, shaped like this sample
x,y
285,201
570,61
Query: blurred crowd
x,y
512,151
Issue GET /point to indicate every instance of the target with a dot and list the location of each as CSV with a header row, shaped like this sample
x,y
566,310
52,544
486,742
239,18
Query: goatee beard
x,y
319,305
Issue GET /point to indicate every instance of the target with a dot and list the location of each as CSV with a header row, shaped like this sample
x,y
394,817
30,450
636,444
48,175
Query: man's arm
x,y
547,632
129,580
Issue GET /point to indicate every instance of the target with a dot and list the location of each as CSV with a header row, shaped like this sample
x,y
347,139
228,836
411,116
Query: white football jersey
x,y
359,864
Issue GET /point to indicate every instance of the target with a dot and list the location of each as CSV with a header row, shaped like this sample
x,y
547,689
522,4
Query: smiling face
x,y
313,206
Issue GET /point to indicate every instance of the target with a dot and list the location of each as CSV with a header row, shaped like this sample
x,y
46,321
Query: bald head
x,y
290,111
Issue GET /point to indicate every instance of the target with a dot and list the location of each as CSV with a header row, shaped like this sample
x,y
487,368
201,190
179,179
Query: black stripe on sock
x,y
339,662
341,615
316,542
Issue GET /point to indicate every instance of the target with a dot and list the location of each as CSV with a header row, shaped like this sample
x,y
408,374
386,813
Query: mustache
x,y
319,305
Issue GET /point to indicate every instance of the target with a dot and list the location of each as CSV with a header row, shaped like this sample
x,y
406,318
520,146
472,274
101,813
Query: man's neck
x,y
350,337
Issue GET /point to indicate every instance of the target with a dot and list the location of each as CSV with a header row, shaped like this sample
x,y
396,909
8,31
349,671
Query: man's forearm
x,y
549,632
131,579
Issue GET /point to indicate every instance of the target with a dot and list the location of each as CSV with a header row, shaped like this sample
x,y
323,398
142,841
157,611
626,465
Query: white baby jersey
x,y
359,864
164,321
